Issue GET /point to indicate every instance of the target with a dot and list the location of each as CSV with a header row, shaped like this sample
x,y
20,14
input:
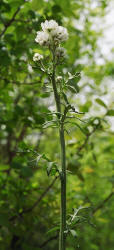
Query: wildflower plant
x,y
51,36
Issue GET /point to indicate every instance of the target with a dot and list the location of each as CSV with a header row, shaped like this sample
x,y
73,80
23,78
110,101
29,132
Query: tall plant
x,y
51,36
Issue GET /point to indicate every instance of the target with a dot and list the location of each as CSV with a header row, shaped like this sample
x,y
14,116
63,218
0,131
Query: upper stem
x,y
56,95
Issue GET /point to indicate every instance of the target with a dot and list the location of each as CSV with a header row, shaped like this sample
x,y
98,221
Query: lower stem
x,y
62,237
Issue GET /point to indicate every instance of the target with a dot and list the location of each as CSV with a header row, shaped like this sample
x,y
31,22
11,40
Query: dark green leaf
x,y
110,112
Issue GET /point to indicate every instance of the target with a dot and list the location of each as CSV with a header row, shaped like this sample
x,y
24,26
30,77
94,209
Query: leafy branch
x,y
8,24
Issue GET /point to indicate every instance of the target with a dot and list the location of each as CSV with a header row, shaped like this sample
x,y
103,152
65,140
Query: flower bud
x,y
60,52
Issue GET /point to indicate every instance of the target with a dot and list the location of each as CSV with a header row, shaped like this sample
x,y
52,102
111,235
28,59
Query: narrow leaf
x,y
73,232
54,229
49,168
100,102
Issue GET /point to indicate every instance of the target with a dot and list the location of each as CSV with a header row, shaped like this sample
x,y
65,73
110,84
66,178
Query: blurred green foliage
x,y
29,198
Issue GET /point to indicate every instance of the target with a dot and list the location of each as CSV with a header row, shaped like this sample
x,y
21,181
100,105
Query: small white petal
x,y
42,37
37,57
59,78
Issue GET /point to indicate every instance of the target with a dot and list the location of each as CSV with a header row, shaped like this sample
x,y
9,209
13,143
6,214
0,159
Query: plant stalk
x,y
62,236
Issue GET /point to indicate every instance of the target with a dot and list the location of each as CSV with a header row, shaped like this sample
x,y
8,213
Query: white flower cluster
x,y
37,57
51,32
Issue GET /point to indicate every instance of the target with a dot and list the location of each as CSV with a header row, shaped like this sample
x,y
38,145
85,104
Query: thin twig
x,y
36,202
86,139
103,202
10,21
8,24
48,240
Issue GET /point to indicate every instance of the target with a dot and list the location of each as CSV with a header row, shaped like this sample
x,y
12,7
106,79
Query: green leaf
x,y
54,229
82,130
73,233
110,112
72,89
52,123
23,146
85,107
51,168
45,158
26,171
31,14
65,97
38,158
56,9
4,167
100,102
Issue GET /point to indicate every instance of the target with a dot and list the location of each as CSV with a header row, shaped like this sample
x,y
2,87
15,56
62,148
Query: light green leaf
x,y
73,232
54,229
100,102
49,168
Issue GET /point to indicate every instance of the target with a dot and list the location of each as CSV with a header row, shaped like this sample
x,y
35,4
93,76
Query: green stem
x,y
62,237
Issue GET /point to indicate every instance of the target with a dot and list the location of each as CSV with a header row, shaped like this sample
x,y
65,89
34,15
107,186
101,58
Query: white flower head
x,y
51,33
61,33
42,38
37,57
49,25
